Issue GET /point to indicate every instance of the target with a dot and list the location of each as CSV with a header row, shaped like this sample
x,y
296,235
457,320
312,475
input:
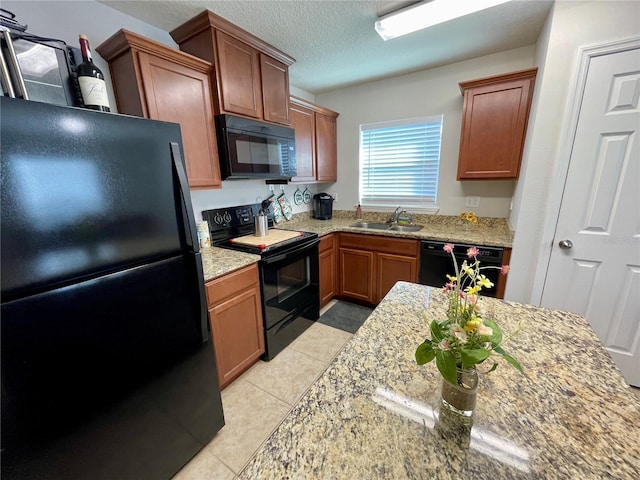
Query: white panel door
x,y
594,268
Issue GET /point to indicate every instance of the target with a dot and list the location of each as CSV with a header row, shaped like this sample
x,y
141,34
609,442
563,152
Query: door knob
x,y
565,244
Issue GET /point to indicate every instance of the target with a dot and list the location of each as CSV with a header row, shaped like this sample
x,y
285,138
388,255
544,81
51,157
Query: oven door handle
x,y
300,248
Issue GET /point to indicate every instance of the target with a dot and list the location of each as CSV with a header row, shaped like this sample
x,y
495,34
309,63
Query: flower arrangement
x,y
465,338
469,217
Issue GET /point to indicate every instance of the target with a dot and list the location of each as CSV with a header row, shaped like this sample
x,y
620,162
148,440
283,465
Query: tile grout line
x,y
292,406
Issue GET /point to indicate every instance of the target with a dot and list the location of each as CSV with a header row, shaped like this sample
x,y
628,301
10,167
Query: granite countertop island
x,y
375,414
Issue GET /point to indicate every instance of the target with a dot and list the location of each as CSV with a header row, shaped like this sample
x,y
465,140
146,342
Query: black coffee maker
x,y
323,206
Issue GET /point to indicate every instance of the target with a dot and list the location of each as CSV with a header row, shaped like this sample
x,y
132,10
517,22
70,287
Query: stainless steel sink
x,y
374,226
406,228
387,226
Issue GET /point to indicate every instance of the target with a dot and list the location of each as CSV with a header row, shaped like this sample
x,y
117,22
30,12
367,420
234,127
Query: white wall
x,y
571,26
429,92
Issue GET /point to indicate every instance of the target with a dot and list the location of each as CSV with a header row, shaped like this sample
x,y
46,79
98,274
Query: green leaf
x,y
437,333
511,360
425,353
471,357
496,337
446,363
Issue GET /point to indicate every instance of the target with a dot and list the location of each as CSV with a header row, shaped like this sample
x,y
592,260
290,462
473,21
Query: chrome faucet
x,y
394,217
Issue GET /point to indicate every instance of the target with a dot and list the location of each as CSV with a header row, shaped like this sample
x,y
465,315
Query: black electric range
x,y
228,224
289,272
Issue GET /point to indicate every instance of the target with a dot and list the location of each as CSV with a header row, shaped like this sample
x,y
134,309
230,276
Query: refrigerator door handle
x,y
178,165
202,295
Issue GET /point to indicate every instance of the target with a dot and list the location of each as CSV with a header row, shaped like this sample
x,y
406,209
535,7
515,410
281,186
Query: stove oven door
x,y
290,294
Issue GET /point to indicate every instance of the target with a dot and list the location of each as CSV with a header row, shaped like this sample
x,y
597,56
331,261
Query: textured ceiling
x,y
334,42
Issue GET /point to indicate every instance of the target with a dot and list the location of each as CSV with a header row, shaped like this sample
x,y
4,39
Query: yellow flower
x,y
484,281
467,269
452,279
472,290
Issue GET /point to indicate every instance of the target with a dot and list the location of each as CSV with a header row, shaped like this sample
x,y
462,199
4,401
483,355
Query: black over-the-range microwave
x,y
37,68
253,149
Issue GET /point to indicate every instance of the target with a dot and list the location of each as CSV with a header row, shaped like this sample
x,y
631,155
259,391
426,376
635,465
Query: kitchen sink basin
x,y
386,226
406,228
374,226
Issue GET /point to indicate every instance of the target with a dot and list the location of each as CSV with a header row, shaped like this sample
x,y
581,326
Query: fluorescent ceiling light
x,y
426,14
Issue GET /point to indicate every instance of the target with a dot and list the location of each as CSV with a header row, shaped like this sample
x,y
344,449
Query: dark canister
x,y
323,206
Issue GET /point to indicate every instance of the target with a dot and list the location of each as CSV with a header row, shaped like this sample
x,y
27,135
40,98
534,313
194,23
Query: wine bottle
x,y
91,80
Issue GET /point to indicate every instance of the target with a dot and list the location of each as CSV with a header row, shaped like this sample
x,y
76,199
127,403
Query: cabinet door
x,y
356,274
175,93
238,334
326,148
303,122
275,89
328,269
239,76
501,285
494,125
394,268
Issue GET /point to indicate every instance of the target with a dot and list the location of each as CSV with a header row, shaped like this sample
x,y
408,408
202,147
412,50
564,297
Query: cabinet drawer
x,y
326,243
231,284
377,243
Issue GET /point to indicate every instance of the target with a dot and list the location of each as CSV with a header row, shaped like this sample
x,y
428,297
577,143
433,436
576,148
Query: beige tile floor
x,y
256,403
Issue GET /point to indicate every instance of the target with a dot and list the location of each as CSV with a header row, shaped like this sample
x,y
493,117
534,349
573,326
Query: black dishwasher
x,y
436,264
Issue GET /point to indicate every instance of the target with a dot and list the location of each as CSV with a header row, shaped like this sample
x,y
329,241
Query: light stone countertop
x,y
374,412
217,262
488,231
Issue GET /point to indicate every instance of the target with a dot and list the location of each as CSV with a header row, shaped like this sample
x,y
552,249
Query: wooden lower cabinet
x,y
370,265
502,279
328,269
392,268
235,316
357,274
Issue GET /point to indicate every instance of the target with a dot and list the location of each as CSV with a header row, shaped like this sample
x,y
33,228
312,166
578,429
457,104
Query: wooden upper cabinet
x,y
239,76
251,76
154,81
316,141
304,123
494,123
275,99
326,148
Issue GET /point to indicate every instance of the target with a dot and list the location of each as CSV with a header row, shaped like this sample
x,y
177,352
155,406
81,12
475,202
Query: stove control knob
x,y
227,217
217,219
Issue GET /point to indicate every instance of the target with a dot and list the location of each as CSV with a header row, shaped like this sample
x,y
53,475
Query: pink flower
x,y
444,345
448,247
472,252
485,331
449,286
504,269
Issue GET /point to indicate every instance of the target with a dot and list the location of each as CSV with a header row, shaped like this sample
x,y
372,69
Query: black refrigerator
x,y
108,369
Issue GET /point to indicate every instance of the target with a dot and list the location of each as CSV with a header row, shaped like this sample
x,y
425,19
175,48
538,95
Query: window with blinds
x,y
399,162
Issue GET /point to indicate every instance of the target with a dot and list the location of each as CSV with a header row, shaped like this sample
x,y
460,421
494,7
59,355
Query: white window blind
x,y
399,162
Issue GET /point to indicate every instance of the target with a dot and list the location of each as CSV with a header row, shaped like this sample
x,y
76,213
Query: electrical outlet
x,y
472,201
